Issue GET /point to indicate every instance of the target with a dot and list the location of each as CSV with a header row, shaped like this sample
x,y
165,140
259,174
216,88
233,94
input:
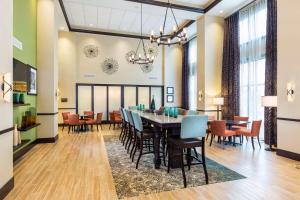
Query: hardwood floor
x,y
77,167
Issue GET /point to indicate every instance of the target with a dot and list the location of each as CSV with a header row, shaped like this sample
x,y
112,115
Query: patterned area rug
x,y
132,182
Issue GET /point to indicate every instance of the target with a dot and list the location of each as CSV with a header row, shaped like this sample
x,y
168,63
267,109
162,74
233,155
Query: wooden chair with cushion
x,y
144,137
218,128
242,125
88,115
210,118
65,119
253,132
192,135
115,118
74,122
97,121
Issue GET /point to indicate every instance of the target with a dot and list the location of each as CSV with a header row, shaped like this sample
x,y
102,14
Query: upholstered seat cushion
x,y
230,133
245,132
90,122
185,143
81,122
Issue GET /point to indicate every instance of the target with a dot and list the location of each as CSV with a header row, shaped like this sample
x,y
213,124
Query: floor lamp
x,y
218,101
269,102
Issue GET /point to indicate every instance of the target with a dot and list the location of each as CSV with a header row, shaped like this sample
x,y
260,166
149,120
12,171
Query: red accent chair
x,y
242,125
253,132
218,128
97,121
88,115
115,118
65,119
74,122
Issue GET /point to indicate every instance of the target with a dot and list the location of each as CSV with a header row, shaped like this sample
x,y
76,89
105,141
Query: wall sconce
x,y
6,86
57,94
290,92
200,94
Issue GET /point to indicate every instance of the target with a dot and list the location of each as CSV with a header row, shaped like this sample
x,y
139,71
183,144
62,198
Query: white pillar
x,y
47,62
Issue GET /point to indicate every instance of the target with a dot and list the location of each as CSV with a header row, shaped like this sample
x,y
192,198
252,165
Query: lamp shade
x,y
269,101
219,101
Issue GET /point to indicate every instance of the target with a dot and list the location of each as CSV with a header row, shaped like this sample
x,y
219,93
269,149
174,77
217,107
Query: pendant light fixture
x,y
168,39
145,58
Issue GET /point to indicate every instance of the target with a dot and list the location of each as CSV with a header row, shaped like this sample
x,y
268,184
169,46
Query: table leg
x,y
157,160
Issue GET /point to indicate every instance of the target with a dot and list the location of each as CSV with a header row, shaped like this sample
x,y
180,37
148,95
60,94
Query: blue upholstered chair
x,y
124,123
192,112
144,137
132,107
192,135
130,134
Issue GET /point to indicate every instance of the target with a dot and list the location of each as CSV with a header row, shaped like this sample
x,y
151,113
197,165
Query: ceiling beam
x,y
63,9
212,5
165,4
78,30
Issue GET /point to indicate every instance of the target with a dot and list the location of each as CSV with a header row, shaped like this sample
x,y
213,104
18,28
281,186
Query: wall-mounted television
x,y
24,74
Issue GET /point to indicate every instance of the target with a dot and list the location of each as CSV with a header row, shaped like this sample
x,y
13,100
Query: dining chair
x,y
65,119
88,115
97,121
126,128
218,128
130,135
210,118
115,118
192,135
242,125
253,132
74,122
144,138
123,123
192,112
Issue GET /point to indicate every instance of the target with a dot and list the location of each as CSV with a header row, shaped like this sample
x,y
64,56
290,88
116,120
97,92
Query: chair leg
x,y
109,126
63,127
258,141
141,152
207,136
188,158
211,139
69,129
204,161
120,136
169,158
135,147
97,128
195,151
182,169
101,126
252,140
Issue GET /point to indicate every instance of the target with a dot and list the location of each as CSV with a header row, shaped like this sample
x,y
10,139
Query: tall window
x,y
192,63
252,28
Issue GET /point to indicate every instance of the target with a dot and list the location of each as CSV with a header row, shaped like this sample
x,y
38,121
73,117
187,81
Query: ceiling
x,y
120,16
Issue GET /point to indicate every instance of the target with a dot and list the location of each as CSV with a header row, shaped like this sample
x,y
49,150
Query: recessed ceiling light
x,y
221,11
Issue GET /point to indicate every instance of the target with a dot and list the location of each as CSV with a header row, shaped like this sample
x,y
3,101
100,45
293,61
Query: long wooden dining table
x,y
171,126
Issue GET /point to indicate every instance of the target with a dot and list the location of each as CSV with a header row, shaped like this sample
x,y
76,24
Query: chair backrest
x,y
132,107
65,115
255,127
73,119
211,118
218,127
112,116
89,114
137,121
240,118
99,117
129,115
125,115
193,126
192,112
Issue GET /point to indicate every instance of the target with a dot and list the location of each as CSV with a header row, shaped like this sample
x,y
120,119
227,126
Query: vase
x,y
16,97
16,136
19,137
21,98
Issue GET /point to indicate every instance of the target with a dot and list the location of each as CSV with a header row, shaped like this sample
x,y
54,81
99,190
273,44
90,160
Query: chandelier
x,y
145,58
167,39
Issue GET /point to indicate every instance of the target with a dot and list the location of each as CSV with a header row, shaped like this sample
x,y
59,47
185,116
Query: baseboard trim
x,y
46,140
4,191
288,154
22,152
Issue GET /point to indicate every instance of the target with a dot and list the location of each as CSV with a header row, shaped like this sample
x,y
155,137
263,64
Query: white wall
x,y
288,72
75,67
209,56
6,109
173,73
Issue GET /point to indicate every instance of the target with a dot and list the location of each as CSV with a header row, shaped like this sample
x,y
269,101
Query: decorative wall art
x,y
170,90
32,82
128,55
110,66
151,49
146,68
91,51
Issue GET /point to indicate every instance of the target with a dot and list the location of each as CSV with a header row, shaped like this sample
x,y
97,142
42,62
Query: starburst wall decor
x,y
110,66
146,68
91,51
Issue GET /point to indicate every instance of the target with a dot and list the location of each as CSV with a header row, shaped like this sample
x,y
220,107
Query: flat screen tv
x,y
20,71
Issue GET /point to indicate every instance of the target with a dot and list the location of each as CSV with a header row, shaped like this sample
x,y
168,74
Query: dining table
x,y
171,126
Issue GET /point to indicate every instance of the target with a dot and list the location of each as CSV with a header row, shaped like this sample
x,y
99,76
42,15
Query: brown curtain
x,y
231,68
271,71
185,76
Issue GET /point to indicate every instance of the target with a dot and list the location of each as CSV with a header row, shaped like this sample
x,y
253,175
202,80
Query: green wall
x,y
25,17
